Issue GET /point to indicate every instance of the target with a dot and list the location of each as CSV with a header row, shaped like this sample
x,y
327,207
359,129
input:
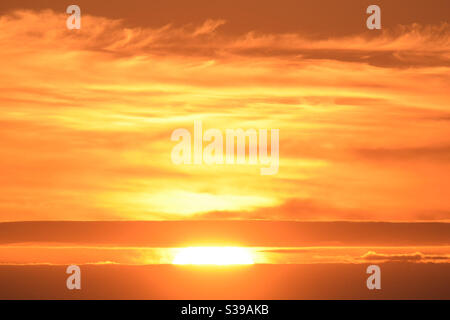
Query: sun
x,y
213,256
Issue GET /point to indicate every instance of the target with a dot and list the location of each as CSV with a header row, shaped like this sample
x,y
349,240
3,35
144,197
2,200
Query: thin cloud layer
x,y
406,257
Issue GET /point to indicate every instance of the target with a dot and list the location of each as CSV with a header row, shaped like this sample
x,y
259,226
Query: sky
x,y
87,117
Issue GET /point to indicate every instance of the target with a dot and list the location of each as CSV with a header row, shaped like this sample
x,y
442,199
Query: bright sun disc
x,y
213,256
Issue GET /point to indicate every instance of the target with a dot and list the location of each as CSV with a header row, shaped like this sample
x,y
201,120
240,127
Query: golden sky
x,y
87,115
86,174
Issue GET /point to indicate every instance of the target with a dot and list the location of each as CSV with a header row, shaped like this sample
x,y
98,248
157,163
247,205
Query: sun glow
x,y
213,256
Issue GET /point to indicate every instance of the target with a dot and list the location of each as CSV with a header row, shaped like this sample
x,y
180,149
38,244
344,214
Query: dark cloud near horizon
x,y
407,257
242,233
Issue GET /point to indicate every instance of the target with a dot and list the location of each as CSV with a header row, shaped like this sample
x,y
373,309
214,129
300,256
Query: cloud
x,y
406,257
294,209
291,209
208,27
160,234
439,153
404,46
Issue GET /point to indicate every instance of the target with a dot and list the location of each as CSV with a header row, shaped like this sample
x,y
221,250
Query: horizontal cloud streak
x,y
242,233
407,257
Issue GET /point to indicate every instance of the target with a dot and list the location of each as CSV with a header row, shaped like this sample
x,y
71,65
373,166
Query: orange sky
x,y
86,175
87,116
